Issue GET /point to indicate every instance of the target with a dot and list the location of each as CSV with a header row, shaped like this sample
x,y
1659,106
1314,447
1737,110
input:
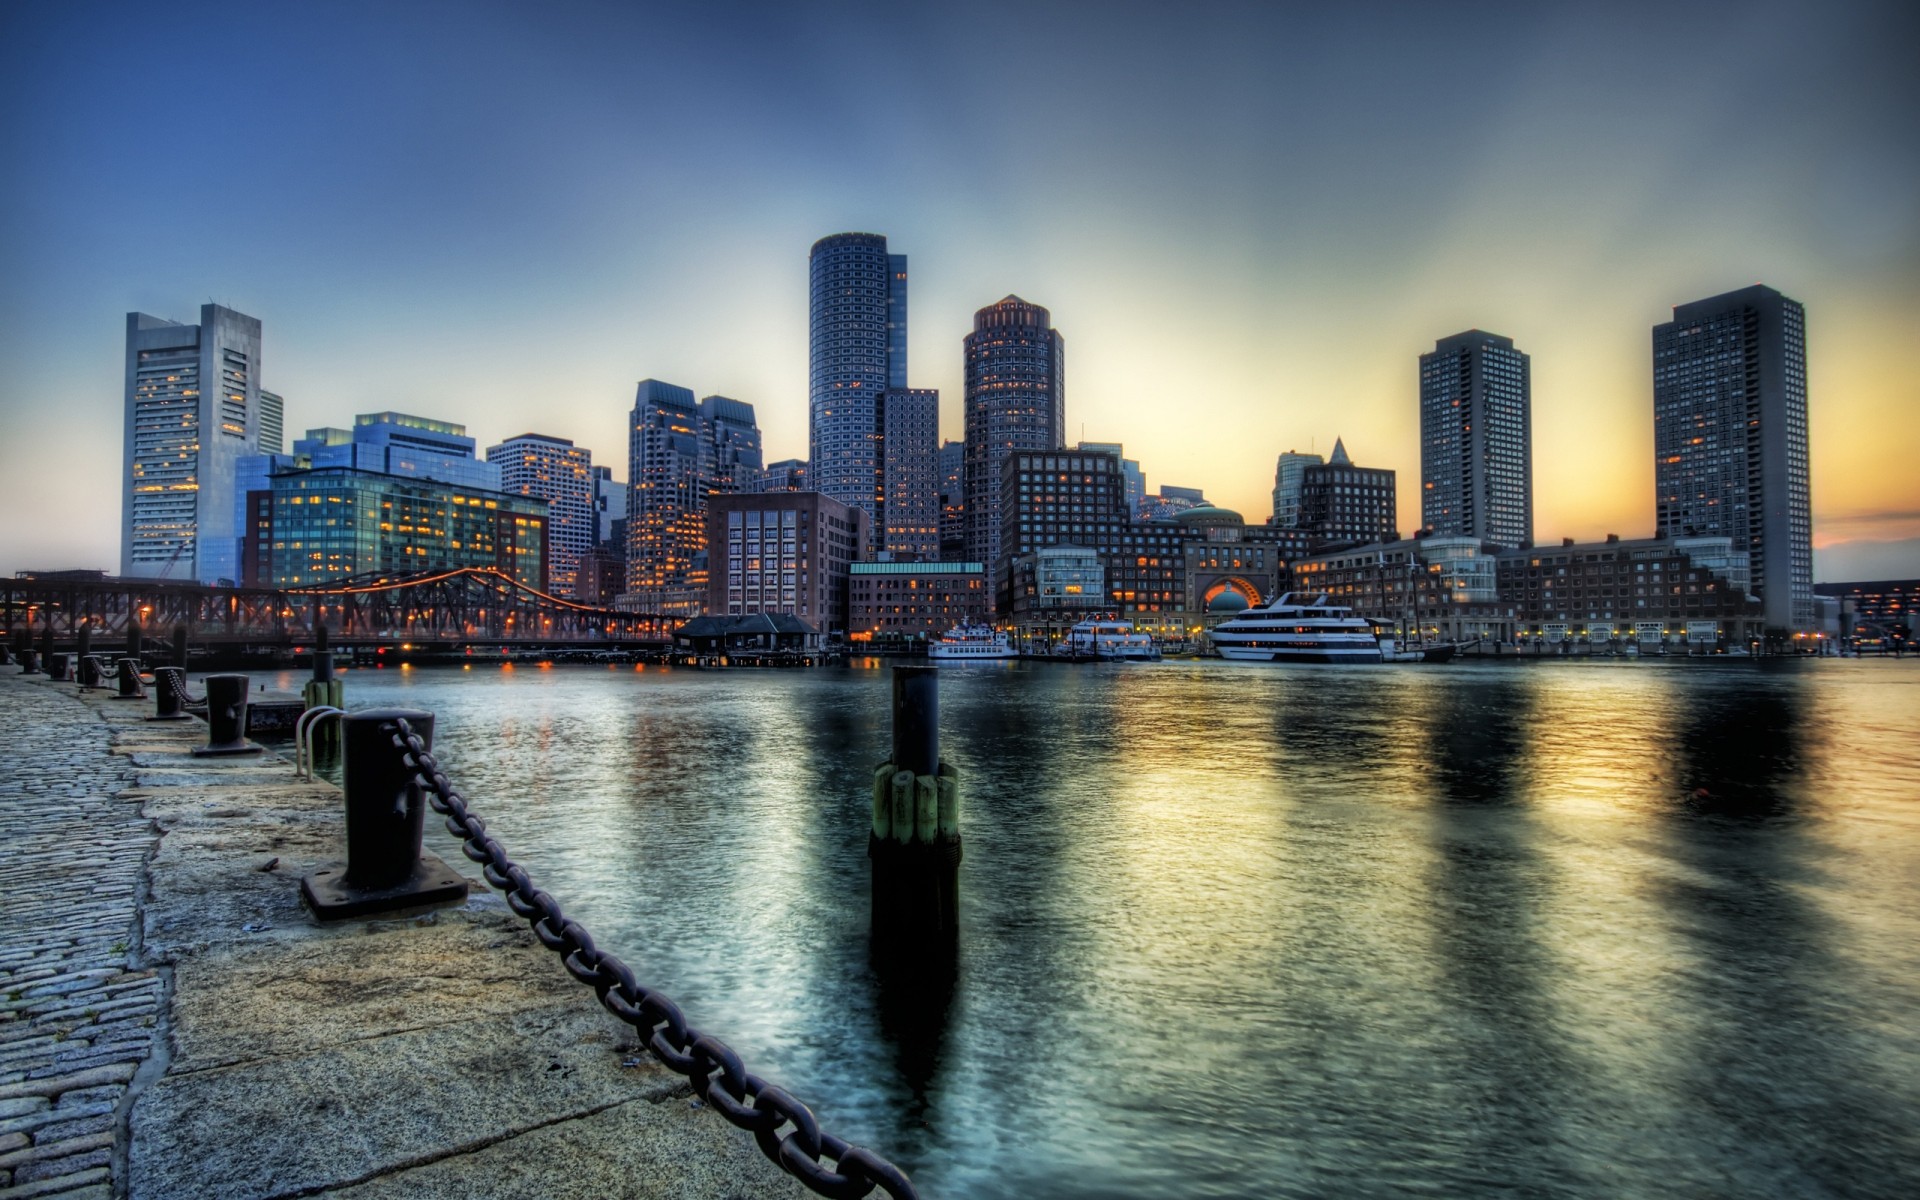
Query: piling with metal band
x,y
914,840
60,667
169,695
131,687
93,671
324,690
226,717
385,870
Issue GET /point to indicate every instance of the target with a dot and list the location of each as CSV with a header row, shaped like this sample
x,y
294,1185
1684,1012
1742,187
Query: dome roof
x,y
1207,514
1228,601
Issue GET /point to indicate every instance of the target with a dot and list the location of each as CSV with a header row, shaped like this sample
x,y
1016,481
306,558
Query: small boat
x,y
1108,639
971,643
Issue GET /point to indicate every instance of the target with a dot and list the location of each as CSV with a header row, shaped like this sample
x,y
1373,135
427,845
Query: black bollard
x,y
130,685
60,667
93,671
136,639
180,646
46,643
83,640
169,695
30,662
386,817
226,718
6,655
914,843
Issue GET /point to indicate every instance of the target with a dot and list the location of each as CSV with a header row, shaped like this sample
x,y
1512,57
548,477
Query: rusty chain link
x,y
717,1074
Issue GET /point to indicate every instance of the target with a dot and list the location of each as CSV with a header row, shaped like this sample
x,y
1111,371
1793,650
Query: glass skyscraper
x,y
1476,439
857,342
1016,400
1730,439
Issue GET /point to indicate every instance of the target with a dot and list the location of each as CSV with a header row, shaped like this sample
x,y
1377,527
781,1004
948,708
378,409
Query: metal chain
x,y
717,1074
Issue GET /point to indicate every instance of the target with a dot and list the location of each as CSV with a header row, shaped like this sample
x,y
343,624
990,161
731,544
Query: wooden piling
x,y
914,840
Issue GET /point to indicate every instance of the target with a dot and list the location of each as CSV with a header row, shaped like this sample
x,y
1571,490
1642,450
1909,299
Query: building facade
x,y
192,411
666,502
1649,590
915,600
272,423
1136,478
1287,472
609,506
787,475
1015,401
1169,502
910,479
857,347
784,552
1476,439
952,465
320,524
732,436
1342,503
1730,438
561,473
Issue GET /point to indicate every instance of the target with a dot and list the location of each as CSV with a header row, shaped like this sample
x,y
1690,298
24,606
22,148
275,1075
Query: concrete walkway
x,y
176,1025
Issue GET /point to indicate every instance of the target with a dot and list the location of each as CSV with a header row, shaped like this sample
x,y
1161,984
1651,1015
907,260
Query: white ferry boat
x,y
970,643
1296,628
1108,639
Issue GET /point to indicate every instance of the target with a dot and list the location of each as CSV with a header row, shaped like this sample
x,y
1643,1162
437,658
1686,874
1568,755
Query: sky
x,y
1248,221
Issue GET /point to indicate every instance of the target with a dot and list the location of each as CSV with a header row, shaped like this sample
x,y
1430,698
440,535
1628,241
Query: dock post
x,y
324,690
131,687
385,869
136,639
60,667
83,641
226,718
914,842
46,644
170,695
180,646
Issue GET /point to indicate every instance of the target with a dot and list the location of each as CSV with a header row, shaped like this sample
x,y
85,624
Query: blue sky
x,y
1248,220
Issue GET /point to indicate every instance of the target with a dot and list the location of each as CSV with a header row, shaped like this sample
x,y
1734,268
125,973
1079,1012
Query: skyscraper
x,y
1129,468
1016,400
952,466
562,474
857,337
1476,439
1339,502
1286,486
666,510
1730,439
192,410
910,492
273,423
732,433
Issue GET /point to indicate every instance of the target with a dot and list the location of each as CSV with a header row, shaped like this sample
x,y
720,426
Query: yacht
x,y
1108,639
1298,628
970,643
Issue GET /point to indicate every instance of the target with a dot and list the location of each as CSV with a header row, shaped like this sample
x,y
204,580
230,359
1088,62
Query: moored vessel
x,y
1108,639
1297,628
971,643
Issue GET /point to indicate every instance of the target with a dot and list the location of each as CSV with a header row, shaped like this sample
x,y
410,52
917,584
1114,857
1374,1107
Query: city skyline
x,y
1257,288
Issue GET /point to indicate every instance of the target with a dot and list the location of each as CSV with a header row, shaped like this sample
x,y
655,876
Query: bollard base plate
x,y
173,717
433,882
222,751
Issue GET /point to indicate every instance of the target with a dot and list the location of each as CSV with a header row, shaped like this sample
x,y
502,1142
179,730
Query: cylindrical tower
x,y
1016,400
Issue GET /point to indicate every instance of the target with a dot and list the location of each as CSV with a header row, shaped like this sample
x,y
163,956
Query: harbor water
x,y
1535,929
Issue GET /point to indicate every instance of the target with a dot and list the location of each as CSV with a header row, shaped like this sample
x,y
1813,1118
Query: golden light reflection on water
x,y
1580,929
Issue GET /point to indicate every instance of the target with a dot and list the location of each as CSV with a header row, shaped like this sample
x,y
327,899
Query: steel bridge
x,y
469,607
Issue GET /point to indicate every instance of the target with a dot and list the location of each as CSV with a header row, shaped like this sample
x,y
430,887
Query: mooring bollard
x,y
324,690
83,640
93,672
136,639
180,647
169,695
914,841
130,686
30,662
226,718
385,869
46,644
6,655
59,667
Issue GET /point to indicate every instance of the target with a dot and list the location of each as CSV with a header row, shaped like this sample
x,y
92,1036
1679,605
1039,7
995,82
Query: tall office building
x,y
1730,439
1341,503
857,341
561,473
1016,400
787,475
729,428
609,506
192,411
952,466
910,476
273,423
1129,469
1286,486
1476,439
666,500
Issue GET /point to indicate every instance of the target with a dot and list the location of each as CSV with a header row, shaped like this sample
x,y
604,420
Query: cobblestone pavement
x,y
76,1020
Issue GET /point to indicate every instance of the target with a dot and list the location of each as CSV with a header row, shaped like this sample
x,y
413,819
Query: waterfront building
x,y
953,501
1136,479
394,443
904,600
1015,401
1169,502
733,439
272,425
666,502
1730,438
1341,503
787,475
910,491
1648,590
857,346
1476,439
192,410
600,576
562,474
609,508
318,524
784,552
1443,589
1227,565
1887,608
1054,588
1287,472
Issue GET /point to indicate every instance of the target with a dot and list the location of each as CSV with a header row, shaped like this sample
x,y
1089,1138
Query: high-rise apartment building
x,y
192,411
609,507
1286,486
562,474
1015,400
273,423
787,475
666,500
1730,439
1129,468
952,465
858,351
1476,439
910,492
730,430
1341,503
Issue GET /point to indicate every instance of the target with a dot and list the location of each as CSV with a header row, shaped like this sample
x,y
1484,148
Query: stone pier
x,y
173,1024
